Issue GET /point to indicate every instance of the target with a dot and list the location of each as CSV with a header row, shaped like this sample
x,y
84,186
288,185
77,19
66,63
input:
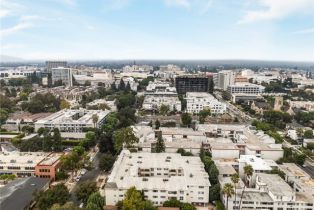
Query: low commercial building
x,y
160,176
49,166
24,164
247,88
245,97
73,121
196,102
20,119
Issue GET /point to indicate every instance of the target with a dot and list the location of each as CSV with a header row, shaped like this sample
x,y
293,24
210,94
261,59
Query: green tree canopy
x,y
186,119
308,134
95,202
124,136
106,161
85,189
58,194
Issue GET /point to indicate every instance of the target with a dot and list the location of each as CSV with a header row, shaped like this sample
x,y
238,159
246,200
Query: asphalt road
x,y
88,176
309,168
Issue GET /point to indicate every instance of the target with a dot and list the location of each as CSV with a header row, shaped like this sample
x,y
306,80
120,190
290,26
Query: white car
x,y
83,171
78,178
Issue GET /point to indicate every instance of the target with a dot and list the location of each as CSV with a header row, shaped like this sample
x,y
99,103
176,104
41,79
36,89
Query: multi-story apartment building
x,y
55,64
62,74
160,176
225,78
247,88
270,191
160,93
199,101
191,83
73,121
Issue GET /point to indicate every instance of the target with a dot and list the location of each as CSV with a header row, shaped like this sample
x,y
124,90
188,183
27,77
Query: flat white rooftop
x,y
21,159
255,162
125,173
73,116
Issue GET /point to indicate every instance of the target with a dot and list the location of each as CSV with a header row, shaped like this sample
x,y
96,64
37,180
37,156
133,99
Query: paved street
x,y
309,168
90,175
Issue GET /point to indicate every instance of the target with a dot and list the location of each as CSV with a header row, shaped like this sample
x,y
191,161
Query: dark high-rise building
x,y
192,83
55,64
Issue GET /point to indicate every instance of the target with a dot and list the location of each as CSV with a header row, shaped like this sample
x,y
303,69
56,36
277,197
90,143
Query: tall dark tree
x,y
211,85
57,140
160,144
122,85
157,124
128,87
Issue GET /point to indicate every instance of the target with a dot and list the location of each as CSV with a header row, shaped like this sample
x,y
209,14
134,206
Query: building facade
x,y
191,83
160,176
196,102
62,74
55,64
48,167
73,121
247,88
225,78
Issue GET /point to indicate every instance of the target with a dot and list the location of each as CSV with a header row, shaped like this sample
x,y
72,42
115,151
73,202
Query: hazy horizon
x,y
272,30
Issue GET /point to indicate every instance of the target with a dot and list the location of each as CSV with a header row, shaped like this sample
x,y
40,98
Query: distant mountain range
x,y
6,58
6,61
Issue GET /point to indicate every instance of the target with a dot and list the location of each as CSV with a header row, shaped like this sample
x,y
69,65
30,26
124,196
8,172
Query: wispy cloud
x,y
276,9
305,31
18,27
8,8
24,22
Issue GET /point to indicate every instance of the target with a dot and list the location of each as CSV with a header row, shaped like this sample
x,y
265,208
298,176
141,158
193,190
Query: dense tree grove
x,y
176,203
42,103
85,189
211,169
290,156
106,161
134,200
58,194
277,118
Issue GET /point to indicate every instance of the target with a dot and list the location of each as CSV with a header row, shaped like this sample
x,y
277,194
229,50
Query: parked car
x,y
83,171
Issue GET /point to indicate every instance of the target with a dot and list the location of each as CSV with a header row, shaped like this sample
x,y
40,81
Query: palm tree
x,y
95,119
235,179
228,191
248,171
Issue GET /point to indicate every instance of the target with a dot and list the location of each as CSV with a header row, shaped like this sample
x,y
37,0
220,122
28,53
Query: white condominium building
x,y
74,121
62,74
197,101
270,191
155,102
224,79
247,88
161,93
160,176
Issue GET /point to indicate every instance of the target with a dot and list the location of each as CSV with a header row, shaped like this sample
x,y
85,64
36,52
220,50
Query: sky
x,y
157,29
